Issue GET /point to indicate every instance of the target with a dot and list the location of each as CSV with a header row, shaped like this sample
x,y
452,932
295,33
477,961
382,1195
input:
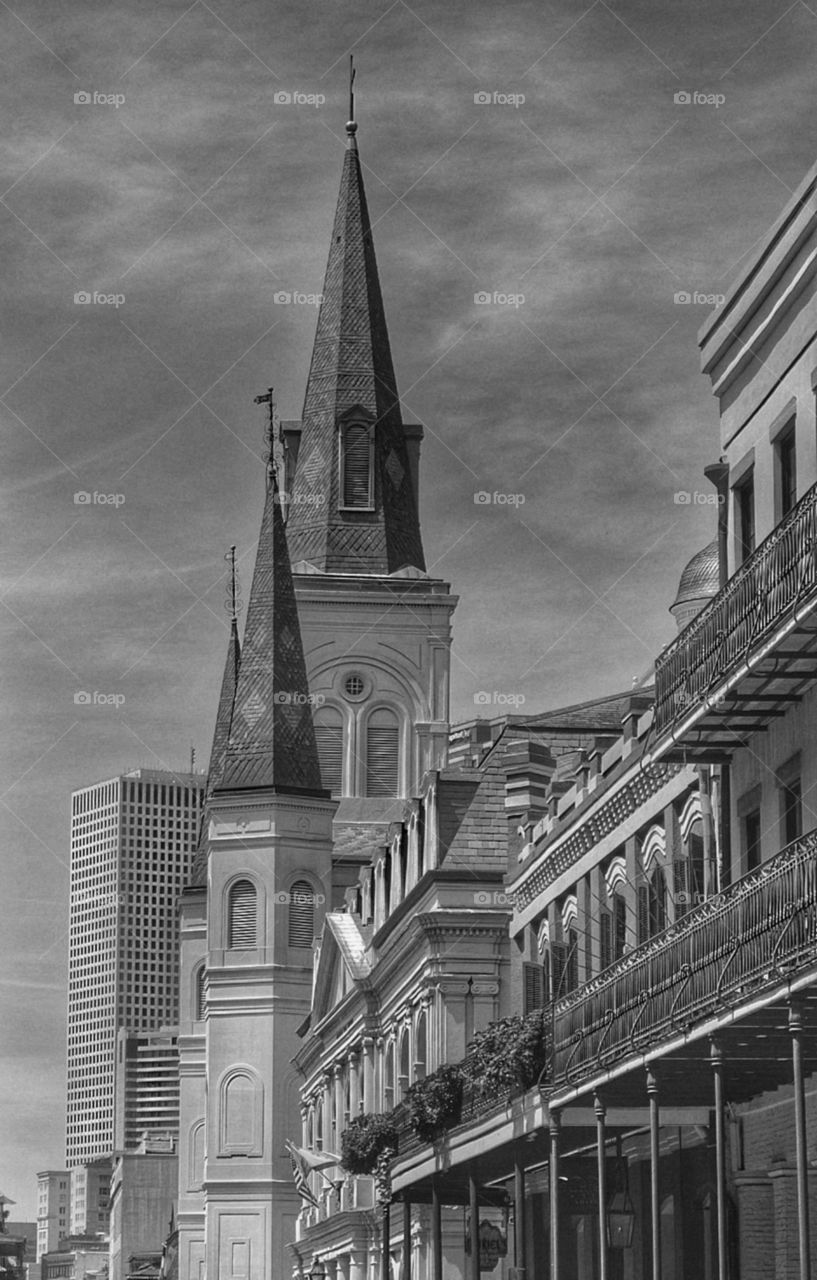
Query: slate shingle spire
x,y
351,379
221,736
271,741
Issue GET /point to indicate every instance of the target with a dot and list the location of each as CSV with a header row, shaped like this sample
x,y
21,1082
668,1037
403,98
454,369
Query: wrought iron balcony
x,y
753,936
770,593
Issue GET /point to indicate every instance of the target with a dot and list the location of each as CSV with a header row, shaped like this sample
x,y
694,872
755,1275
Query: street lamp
x,y
318,1271
620,1209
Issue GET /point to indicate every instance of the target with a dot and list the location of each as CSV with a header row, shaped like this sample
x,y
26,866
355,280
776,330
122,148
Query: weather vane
x,y
351,124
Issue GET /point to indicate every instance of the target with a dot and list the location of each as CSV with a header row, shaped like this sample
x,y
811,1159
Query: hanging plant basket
x,y
434,1104
365,1140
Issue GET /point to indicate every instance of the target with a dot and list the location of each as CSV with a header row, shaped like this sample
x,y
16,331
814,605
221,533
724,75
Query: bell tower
x,y
376,625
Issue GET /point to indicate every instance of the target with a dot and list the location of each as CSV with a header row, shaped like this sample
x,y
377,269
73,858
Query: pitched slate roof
x,y
352,370
271,742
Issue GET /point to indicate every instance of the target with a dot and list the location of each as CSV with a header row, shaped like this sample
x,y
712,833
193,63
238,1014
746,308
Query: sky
x,y
578,165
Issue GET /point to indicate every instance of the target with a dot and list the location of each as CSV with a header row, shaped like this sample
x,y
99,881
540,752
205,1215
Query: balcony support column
x,y
655,1189
406,1238
519,1215
473,1205
716,1057
601,1154
796,1029
385,1236
555,1131
436,1233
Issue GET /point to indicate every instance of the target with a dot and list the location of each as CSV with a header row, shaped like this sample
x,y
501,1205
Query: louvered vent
x,y
301,914
329,737
382,751
357,477
242,930
200,994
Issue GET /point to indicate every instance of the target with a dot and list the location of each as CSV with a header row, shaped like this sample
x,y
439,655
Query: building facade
x,y
144,1187
53,1209
147,1086
132,844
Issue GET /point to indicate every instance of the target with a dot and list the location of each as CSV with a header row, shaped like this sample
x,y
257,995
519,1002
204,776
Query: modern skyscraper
x,y
147,1086
132,843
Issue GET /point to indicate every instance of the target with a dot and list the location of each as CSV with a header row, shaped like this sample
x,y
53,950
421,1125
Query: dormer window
x,y
357,466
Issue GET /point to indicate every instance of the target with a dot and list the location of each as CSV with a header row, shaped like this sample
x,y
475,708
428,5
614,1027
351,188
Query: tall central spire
x,y
354,507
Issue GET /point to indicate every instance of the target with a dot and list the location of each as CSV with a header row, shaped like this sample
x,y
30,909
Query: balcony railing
x,y
777,579
751,936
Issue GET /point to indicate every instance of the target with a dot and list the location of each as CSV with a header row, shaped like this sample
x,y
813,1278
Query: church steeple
x,y
354,507
271,742
221,735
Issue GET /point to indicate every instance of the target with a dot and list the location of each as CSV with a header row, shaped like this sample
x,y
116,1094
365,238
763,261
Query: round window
x,y
354,686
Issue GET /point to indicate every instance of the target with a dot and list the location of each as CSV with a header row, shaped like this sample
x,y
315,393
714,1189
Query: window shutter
x,y
643,913
620,929
382,751
658,902
357,487
557,969
533,996
242,923
571,962
301,914
680,878
329,738
606,923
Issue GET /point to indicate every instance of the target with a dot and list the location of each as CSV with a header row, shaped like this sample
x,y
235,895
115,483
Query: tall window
x,y
329,738
745,516
658,901
751,839
242,915
382,753
199,1010
786,452
791,804
356,466
619,926
421,1047
301,914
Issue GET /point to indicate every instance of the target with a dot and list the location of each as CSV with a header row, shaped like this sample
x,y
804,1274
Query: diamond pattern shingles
x,y
272,739
221,736
352,368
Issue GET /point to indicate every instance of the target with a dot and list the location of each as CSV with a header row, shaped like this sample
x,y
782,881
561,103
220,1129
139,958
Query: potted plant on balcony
x,y
365,1140
434,1103
509,1055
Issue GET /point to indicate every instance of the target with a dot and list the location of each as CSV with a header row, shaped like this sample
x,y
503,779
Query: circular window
x,y
354,686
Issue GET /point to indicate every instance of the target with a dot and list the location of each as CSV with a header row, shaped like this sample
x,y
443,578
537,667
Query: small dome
x,y
701,577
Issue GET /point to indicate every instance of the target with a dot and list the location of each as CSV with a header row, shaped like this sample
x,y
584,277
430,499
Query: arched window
x,y
242,915
388,1078
301,914
403,1078
198,1012
241,1114
382,753
357,456
196,1165
329,737
421,1047
658,901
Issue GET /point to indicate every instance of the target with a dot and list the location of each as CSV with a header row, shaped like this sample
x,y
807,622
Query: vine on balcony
x,y
434,1103
364,1142
508,1056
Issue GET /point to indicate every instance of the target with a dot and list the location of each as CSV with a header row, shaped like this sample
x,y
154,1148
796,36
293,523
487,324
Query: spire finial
x,y
351,124
269,435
